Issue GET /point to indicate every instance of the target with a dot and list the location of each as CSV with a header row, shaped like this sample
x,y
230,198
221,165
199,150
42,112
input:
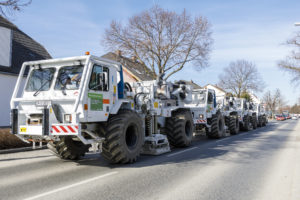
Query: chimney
x,y
133,58
119,53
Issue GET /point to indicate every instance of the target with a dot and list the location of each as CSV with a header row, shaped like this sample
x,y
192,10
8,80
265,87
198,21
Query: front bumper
x,y
55,130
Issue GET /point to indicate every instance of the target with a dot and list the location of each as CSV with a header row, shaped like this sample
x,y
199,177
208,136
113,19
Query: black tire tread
x,y
233,125
174,127
113,149
254,121
68,149
214,133
246,123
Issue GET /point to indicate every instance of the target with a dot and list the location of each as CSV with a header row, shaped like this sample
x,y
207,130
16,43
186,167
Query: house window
x,y
5,47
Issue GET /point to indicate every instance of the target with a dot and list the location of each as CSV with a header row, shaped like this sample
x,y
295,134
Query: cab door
x,y
99,93
210,104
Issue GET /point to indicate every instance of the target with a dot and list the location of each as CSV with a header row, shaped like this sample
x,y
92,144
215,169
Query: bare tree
x,y
246,96
241,76
163,41
274,101
295,109
7,7
291,63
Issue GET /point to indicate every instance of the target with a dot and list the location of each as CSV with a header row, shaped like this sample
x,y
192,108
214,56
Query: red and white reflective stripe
x,y
64,129
201,121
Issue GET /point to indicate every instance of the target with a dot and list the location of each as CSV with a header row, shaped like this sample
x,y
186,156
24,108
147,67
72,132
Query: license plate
x,y
23,130
42,103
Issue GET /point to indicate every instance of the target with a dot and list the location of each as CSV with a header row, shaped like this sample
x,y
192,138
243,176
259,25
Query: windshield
x,y
69,78
199,97
40,79
238,103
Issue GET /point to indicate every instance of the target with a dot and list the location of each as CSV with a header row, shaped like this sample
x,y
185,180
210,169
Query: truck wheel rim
x,y
188,127
131,136
220,125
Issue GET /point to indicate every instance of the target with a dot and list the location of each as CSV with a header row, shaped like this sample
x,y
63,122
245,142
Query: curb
x,y
16,150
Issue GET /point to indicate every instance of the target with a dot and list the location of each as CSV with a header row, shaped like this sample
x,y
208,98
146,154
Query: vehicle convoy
x,y
208,115
78,102
218,116
262,118
230,111
81,101
247,115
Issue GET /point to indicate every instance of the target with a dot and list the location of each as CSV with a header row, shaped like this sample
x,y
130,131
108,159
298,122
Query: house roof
x,y
24,48
192,83
5,23
254,97
135,67
215,87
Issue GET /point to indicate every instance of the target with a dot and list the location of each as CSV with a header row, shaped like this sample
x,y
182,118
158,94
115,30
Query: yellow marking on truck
x,y
23,129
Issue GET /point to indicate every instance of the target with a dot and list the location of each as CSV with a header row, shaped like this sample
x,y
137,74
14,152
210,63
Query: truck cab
x,y
204,100
60,95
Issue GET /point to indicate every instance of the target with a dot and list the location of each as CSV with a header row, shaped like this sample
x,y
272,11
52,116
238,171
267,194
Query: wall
x,y
128,77
254,98
219,92
7,85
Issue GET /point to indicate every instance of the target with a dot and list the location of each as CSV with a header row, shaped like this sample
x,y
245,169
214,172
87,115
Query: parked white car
x,y
294,117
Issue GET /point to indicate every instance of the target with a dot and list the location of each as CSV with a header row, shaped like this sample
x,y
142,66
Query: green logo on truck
x,y
96,101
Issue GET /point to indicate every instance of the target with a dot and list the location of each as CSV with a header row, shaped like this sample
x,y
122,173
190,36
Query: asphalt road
x,y
260,164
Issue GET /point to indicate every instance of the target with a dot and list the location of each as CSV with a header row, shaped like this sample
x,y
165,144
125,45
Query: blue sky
x,y
250,29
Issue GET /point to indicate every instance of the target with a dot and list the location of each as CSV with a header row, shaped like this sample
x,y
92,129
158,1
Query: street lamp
x,y
297,24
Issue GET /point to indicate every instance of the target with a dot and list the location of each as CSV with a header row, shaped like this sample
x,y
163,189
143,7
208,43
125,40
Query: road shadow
x,y
208,149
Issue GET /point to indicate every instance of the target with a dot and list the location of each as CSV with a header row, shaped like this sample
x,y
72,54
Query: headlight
x,y
68,118
201,116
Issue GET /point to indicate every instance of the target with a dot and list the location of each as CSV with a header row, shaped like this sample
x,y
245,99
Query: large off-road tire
x,y
254,121
217,126
246,125
234,125
180,128
68,149
260,121
124,137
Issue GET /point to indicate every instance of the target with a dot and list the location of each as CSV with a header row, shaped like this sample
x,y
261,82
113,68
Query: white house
x,y
15,48
219,91
254,98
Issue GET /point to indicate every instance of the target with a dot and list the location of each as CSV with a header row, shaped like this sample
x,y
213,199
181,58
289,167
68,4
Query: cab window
x,y
99,78
210,98
40,79
69,78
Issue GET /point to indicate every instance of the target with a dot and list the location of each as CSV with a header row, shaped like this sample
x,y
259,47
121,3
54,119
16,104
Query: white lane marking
x,y
70,186
174,154
220,140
